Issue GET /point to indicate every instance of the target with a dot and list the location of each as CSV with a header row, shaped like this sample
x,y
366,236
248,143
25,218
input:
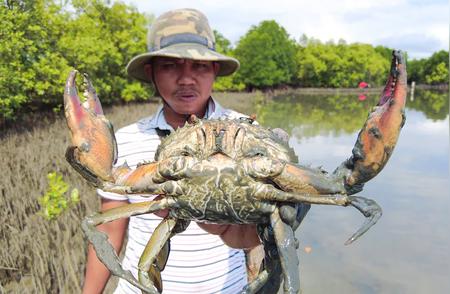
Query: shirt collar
x,y
213,111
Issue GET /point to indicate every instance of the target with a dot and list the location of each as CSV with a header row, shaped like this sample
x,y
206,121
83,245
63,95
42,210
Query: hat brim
x,y
228,65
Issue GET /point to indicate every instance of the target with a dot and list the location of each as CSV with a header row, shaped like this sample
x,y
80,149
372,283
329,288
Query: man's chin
x,y
188,107
187,110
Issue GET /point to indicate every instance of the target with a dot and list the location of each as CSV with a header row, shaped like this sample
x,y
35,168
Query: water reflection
x,y
310,115
434,104
407,251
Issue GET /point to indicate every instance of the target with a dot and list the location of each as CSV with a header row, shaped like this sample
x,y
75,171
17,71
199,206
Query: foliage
x,y
100,40
223,45
439,74
42,40
29,31
436,68
340,65
267,56
432,70
227,83
54,201
384,51
415,70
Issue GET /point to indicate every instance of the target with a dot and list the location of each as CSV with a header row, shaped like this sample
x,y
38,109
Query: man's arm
x,y
97,274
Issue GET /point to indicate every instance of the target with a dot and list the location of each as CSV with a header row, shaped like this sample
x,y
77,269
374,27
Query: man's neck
x,y
176,120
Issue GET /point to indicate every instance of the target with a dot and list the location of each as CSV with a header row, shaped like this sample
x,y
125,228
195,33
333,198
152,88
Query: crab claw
x,y
377,139
94,148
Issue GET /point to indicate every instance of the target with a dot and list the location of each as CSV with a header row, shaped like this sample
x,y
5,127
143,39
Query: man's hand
x,y
161,213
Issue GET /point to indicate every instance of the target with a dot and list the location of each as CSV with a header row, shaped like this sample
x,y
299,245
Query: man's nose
x,y
186,74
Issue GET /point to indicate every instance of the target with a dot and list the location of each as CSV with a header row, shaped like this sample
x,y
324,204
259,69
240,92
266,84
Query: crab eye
x,y
257,152
185,153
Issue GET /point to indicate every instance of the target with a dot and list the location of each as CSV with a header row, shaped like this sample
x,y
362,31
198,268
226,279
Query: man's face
x,y
184,84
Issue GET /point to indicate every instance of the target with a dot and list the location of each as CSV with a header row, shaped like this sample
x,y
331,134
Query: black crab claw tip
x,y
370,209
93,103
400,59
396,61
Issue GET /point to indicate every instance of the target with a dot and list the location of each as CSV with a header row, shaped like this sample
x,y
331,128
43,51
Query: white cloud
x,y
411,25
431,128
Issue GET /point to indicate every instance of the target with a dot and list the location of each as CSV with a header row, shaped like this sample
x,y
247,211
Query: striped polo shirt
x,y
198,262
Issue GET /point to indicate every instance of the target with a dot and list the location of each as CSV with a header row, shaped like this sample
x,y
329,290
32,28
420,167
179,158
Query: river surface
x,y
408,250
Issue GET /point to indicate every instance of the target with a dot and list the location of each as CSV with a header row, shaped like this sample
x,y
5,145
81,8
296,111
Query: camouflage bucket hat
x,y
181,33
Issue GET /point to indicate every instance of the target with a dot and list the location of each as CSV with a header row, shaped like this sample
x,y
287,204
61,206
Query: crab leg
x,y
155,255
269,279
369,208
256,271
260,281
156,252
105,251
287,250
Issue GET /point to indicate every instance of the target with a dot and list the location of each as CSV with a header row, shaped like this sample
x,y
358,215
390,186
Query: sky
x,y
420,27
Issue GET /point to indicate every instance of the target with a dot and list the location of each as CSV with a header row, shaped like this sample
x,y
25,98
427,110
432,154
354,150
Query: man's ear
x,y
148,71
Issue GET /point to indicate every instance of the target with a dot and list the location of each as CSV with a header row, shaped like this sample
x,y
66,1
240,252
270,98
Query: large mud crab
x,y
228,172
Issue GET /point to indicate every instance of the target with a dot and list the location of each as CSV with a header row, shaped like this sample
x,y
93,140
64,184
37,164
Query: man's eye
x,y
199,65
168,65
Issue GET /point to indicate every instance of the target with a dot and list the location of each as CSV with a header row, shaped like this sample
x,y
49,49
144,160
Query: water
x,y
407,251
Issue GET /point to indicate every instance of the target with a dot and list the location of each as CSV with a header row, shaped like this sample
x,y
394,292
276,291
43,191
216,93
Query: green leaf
x,y
55,201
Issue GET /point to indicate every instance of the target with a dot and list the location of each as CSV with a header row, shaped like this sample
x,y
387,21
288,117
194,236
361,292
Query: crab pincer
x,y
94,148
373,147
376,142
378,137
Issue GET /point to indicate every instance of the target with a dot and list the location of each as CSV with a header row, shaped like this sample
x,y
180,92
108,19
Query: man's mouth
x,y
186,95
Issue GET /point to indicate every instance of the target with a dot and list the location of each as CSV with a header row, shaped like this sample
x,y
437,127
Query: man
x,y
182,65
